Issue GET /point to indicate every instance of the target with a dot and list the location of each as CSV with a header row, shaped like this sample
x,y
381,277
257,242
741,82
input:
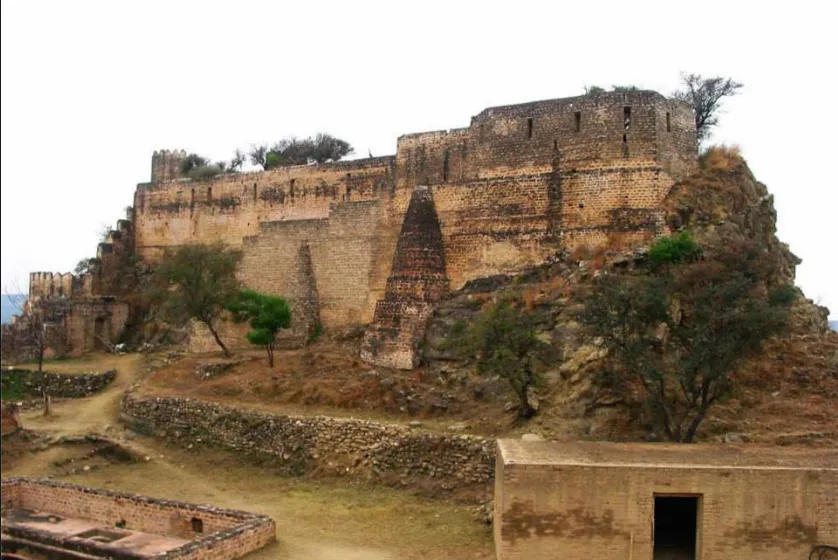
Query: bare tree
x,y
705,95
238,160
258,155
32,333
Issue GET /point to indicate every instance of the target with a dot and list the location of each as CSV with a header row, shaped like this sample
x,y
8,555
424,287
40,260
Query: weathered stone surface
x,y
336,446
60,385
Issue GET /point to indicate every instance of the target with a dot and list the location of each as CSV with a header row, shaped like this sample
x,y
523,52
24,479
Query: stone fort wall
x,y
517,184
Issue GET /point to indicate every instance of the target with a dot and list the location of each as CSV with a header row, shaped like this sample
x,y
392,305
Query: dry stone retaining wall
x,y
329,445
59,385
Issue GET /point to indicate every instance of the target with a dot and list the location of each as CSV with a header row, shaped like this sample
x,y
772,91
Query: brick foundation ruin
x,y
42,518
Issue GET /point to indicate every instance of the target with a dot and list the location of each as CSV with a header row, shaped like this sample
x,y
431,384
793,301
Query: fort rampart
x,y
515,185
380,240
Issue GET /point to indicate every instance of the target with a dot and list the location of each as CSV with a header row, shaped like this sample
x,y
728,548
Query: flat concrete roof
x,y
665,455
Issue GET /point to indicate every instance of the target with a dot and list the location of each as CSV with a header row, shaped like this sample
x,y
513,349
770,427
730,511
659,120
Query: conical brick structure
x,y
417,280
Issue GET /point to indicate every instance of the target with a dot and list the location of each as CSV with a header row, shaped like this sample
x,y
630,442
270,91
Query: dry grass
x,y
721,158
319,520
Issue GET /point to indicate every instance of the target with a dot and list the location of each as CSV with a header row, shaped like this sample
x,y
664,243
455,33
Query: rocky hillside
x,y
784,395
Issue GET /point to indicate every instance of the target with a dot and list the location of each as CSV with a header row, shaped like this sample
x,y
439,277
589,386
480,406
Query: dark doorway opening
x,y
676,527
99,333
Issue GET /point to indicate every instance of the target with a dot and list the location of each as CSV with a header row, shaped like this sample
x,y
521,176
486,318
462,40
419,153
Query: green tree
x,y
675,249
679,332
196,282
266,315
504,341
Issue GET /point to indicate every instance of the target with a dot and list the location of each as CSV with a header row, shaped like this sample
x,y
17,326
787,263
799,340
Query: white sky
x,y
91,89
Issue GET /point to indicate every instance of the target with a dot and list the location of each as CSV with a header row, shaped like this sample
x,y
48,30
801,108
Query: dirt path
x,y
91,414
317,520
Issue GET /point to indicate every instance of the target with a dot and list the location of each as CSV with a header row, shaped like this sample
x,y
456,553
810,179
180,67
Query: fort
x,y
379,241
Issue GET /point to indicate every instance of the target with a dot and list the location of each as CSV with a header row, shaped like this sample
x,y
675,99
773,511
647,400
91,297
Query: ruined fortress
x,y
378,241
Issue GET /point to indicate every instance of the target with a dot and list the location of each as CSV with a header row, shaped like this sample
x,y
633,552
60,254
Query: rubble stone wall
x,y
306,443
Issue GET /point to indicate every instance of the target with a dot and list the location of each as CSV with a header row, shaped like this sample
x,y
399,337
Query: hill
x,y
9,306
833,325
782,395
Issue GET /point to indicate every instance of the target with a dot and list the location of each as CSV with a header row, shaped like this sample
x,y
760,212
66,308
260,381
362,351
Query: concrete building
x,y
578,501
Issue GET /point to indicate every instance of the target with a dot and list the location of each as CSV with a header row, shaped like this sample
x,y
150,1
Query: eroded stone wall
x,y
61,385
518,183
335,445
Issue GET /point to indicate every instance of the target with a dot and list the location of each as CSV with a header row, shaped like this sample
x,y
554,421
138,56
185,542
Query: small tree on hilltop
x,y
328,148
504,341
705,96
196,282
679,332
238,160
266,315
258,155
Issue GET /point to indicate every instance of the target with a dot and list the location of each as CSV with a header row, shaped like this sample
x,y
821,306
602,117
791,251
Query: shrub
x,y
675,249
204,172
721,158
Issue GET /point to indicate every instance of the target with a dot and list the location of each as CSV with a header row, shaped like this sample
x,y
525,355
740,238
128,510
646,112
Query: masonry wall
x,y
232,206
517,184
227,533
330,445
579,510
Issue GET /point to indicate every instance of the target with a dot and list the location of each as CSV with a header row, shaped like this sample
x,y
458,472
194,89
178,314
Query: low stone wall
x,y
59,385
336,446
220,533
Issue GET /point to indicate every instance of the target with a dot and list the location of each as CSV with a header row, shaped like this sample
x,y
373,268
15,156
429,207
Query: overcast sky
x,y
91,89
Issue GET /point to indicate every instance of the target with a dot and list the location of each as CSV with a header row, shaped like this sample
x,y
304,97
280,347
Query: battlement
x,y
381,240
61,285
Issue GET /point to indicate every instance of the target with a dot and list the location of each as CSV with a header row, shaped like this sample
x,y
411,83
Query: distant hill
x,y
9,306
834,325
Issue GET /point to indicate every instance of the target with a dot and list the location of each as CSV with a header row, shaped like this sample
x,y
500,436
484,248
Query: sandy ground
x,y
324,519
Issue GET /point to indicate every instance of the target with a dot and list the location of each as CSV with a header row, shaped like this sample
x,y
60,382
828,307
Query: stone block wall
x,y
305,443
511,188
232,206
227,534
582,505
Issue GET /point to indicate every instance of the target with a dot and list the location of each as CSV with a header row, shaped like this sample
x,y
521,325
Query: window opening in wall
x,y
529,128
192,200
577,119
445,167
197,525
555,145
675,530
209,194
291,188
121,524
254,192
627,117
668,123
